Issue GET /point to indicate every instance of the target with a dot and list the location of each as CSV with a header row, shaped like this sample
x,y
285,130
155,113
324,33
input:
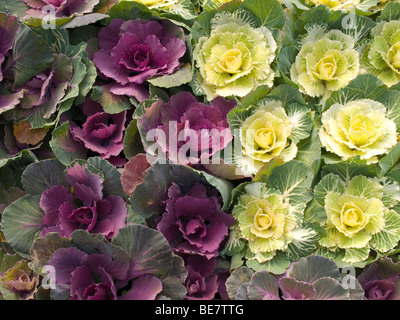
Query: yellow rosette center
x,y
326,67
231,61
265,137
361,129
263,219
394,55
351,215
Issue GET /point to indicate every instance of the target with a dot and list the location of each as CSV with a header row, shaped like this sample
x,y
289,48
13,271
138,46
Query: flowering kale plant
x,y
199,150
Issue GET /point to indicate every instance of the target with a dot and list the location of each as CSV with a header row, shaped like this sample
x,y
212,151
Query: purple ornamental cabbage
x,y
9,28
44,91
99,277
82,206
193,223
205,279
183,116
133,51
19,281
62,8
201,282
380,280
310,278
102,133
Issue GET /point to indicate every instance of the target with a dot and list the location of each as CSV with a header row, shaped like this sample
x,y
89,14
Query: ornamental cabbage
x,y
382,56
266,135
193,223
380,280
358,128
271,128
309,278
359,216
265,224
183,122
270,229
326,62
235,58
134,51
83,208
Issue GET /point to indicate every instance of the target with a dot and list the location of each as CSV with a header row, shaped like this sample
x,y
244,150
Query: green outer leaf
x,y
388,161
112,177
311,268
393,107
267,13
149,250
278,265
254,96
309,150
236,279
390,12
26,155
85,20
319,15
173,281
40,176
389,237
21,221
303,242
223,186
202,25
128,10
287,95
178,78
58,40
16,8
132,142
348,170
110,102
30,56
330,289
65,147
329,183
263,286
365,86
293,179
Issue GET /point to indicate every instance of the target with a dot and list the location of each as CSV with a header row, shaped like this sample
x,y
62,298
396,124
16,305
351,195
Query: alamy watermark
x,y
49,19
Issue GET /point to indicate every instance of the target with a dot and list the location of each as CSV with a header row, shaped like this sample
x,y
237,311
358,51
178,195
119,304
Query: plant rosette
x,y
136,265
359,216
270,230
309,278
234,51
188,207
279,126
86,195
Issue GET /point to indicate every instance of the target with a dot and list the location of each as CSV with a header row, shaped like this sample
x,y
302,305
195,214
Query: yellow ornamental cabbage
x,y
265,135
359,216
326,62
382,56
265,224
157,3
235,58
335,4
358,128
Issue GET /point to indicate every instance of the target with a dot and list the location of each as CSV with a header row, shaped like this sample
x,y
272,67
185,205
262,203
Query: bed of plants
x,y
199,150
